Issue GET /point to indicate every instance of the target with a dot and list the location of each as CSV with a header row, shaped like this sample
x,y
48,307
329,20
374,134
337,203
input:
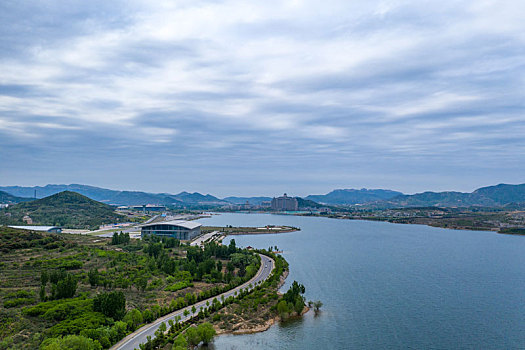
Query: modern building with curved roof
x,y
179,229
53,229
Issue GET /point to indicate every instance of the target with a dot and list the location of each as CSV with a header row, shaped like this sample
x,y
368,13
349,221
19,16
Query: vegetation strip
x,y
196,307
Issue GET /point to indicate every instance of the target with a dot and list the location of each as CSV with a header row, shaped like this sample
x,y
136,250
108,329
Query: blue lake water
x,y
388,286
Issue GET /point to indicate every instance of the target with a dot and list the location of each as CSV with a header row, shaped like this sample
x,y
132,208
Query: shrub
x,y
70,342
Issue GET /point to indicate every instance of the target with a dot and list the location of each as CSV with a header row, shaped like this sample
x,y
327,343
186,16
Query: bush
x,y
178,286
75,326
18,302
70,342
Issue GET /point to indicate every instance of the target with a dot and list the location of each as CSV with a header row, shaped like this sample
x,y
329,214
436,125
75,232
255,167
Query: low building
x,y
52,229
179,229
285,203
149,207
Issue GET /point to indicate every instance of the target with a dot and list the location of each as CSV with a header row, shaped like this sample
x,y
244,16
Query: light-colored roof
x,y
182,223
36,228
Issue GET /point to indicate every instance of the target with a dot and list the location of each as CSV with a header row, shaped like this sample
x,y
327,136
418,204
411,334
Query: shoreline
x,y
267,324
459,228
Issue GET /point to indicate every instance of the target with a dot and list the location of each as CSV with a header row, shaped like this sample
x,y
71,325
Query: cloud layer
x,y
234,97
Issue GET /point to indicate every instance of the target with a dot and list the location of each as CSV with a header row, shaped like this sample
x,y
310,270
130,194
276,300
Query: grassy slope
x,y
67,209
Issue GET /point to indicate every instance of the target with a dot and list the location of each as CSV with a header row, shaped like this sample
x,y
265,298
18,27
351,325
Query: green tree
x,y
282,309
206,332
192,336
112,304
180,343
299,306
317,305
93,277
65,287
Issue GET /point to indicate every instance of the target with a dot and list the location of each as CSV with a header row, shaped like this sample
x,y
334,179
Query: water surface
x,y
388,286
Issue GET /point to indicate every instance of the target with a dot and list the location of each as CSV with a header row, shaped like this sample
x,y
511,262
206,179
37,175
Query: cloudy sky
x,y
262,97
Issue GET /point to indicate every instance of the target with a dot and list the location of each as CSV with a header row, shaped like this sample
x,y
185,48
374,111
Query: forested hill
x,y
353,196
501,195
6,198
66,209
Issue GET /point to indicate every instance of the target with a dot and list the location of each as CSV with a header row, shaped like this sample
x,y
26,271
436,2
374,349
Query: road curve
x,y
138,337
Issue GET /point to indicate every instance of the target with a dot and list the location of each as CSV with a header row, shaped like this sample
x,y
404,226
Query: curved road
x,y
133,340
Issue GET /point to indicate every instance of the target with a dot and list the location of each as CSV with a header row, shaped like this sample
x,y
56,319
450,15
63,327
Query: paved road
x,y
199,241
133,340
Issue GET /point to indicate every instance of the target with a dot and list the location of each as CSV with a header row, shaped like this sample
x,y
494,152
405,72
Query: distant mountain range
x,y
251,200
114,197
491,196
353,196
67,209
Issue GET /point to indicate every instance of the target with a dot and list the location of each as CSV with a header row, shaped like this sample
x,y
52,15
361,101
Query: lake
x,y
390,286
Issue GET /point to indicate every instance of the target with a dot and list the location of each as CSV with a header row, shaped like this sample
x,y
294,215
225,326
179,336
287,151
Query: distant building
x,y
52,229
179,229
266,204
27,219
149,207
285,203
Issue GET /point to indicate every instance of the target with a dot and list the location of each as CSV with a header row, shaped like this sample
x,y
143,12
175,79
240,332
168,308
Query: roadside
x,y
140,336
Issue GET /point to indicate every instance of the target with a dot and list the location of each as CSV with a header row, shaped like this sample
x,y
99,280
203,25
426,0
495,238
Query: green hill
x,y
6,198
353,196
491,196
66,209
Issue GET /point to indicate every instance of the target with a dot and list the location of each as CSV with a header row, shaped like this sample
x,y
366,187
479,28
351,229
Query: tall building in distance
x,y
285,203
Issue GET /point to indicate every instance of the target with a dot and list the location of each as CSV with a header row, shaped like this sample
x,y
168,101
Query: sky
x,y
262,97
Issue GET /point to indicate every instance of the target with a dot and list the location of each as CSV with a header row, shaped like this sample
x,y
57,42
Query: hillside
x,y
491,196
66,209
307,203
196,198
251,200
503,194
354,196
6,198
113,196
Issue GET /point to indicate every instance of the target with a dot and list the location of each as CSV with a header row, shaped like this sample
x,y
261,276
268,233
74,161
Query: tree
x,y
299,306
93,277
232,248
206,332
230,267
192,336
317,305
112,304
44,277
65,288
133,318
282,309
180,343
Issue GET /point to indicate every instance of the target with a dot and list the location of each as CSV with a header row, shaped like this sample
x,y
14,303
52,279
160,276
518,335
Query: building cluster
x,y
285,203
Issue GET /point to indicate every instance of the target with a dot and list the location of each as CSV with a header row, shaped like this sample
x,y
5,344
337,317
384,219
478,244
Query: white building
x,y
179,229
53,229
